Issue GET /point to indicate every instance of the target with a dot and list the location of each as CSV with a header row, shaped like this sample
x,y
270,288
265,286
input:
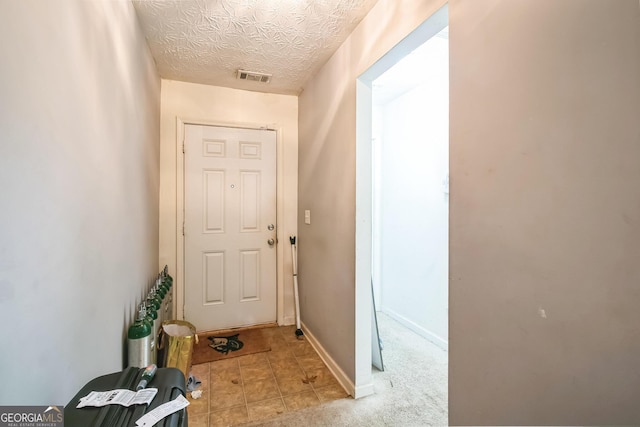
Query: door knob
x,y
271,242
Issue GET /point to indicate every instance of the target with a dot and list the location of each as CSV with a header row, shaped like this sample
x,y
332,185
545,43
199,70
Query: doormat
x,y
228,344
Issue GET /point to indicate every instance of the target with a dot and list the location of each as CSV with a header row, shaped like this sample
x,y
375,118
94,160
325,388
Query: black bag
x,y
169,382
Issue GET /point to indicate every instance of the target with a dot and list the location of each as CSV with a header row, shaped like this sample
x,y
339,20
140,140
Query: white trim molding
x,y
338,373
423,332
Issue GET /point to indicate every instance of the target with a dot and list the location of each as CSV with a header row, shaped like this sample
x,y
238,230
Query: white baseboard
x,y
427,334
363,391
337,372
289,320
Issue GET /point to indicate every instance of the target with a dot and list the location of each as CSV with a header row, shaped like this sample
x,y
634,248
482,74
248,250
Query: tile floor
x,y
263,385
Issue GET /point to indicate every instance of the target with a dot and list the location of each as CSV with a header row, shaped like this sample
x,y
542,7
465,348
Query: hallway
x,y
544,218
262,385
412,391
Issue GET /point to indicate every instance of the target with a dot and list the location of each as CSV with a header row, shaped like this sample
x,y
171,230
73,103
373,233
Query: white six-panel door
x,y
230,219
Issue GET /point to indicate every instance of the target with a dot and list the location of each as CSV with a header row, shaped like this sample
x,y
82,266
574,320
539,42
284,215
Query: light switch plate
x,y
307,217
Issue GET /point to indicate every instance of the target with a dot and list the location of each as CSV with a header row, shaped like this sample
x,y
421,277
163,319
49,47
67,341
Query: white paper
x,y
118,397
150,418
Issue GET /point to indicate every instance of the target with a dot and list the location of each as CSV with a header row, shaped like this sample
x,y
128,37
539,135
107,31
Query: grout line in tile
x,y
244,394
306,374
273,375
209,389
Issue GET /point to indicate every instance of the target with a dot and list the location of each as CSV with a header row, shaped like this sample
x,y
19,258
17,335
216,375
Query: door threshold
x,y
239,328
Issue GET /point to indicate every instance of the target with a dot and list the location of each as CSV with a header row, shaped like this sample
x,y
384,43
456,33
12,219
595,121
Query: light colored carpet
x,y
411,392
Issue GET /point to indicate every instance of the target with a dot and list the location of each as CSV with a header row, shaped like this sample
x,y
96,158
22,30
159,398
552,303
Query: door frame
x,y
179,293
364,187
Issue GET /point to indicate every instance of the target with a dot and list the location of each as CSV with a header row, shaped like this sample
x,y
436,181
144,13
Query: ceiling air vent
x,y
252,76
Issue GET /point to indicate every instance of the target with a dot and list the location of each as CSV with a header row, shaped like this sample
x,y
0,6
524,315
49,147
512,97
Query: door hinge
x,y
183,148
183,228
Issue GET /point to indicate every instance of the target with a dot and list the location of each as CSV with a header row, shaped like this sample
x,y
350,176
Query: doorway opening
x,y
402,193
411,190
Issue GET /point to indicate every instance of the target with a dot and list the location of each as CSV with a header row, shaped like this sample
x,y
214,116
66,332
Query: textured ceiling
x,y
206,41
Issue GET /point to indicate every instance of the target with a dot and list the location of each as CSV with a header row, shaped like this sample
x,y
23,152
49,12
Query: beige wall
x,y
544,210
79,167
194,103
